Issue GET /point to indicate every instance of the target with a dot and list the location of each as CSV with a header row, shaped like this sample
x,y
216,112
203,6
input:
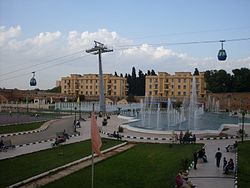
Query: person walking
x,y
195,155
218,156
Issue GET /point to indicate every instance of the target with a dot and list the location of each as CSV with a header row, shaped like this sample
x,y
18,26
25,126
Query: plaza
x,y
207,174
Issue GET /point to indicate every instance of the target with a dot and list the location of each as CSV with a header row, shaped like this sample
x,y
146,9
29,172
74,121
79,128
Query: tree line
x,y
219,81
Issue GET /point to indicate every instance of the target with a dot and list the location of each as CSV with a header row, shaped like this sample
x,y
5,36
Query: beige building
x,y
88,85
175,86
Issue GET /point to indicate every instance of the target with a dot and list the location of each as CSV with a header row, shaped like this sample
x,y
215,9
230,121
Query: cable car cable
x,y
41,63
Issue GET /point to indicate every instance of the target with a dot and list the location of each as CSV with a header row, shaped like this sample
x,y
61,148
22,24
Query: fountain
x,y
192,115
152,116
158,114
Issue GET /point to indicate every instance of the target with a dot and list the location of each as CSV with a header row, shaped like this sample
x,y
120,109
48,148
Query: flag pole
x,y
92,160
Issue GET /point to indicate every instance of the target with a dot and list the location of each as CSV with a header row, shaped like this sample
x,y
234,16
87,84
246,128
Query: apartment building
x,y
175,86
88,85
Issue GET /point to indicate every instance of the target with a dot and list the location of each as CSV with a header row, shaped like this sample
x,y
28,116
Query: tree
x,y
129,83
55,90
140,82
133,82
241,80
196,72
221,81
153,73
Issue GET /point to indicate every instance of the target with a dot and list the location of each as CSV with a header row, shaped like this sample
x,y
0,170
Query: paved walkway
x,y
207,174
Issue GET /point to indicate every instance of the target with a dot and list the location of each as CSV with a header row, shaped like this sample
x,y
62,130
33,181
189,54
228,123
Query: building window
x,y
184,93
156,92
179,80
184,87
150,93
150,86
114,93
179,93
156,86
179,87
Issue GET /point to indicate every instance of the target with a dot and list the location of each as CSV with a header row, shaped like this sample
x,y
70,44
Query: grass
x,y
20,127
244,164
144,166
19,168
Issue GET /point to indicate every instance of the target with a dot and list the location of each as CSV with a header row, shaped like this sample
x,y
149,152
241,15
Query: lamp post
x,y
75,120
242,128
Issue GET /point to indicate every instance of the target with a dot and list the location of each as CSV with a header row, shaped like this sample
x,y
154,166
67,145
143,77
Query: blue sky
x,y
34,32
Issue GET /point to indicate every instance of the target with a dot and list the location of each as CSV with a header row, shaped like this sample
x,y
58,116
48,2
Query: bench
x,y
116,135
185,140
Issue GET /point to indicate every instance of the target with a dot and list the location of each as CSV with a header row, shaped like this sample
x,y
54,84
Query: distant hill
x,y
55,90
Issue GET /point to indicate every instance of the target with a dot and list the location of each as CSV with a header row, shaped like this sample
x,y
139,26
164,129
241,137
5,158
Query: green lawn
x,y
244,164
22,167
144,166
20,127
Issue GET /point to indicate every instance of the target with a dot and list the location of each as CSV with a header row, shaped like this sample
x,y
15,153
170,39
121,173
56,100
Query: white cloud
x,y
12,32
44,38
17,53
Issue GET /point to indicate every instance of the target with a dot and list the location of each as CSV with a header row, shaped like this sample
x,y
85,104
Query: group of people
x,y
232,147
188,137
61,138
182,180
200,154
227,166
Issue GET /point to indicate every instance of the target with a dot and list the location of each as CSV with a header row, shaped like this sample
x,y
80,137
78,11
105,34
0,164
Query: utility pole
x,y
99,49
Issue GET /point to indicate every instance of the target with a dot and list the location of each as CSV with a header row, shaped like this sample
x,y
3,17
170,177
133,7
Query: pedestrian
x,y
195,155
218,156
224,163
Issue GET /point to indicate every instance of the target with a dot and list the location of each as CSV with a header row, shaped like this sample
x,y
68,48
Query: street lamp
x,y
75,120
242,128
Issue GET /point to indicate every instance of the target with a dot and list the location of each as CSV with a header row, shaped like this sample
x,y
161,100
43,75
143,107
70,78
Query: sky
x,y
50,37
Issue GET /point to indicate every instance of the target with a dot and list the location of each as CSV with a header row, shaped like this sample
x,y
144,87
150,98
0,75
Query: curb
x,y
169,139
48,140
18,184
236,170
41,129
